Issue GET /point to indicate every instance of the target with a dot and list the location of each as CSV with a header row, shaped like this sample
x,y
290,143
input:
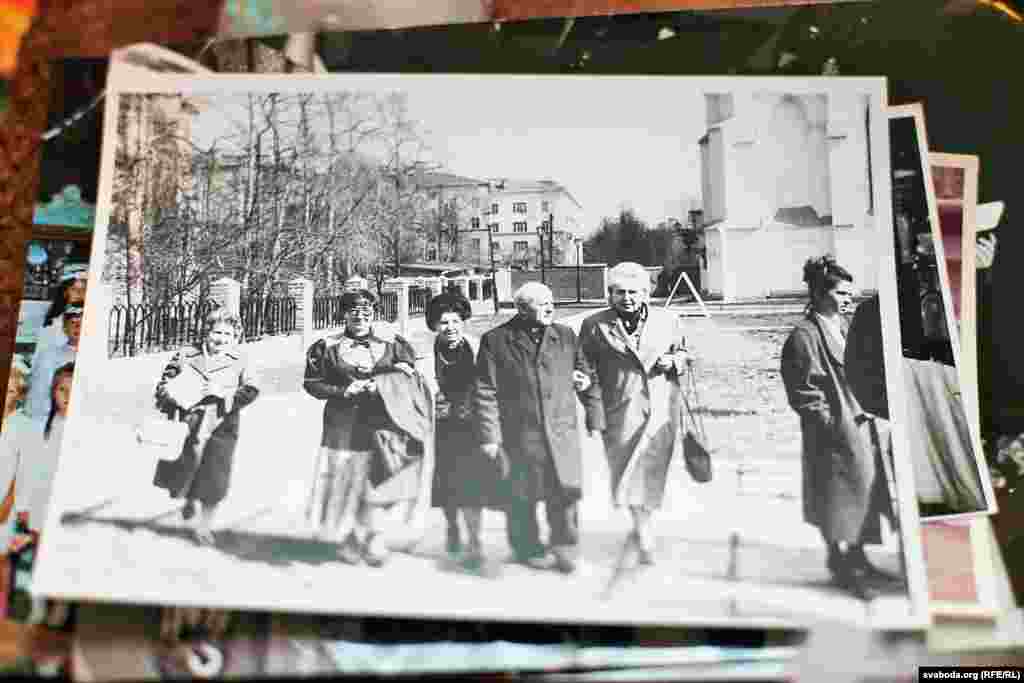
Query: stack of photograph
x,y
567,375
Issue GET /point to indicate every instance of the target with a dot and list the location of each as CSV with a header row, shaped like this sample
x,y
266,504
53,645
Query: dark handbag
x,y
696,454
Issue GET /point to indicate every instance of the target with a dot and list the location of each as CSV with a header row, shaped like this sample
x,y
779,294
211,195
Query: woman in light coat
x,y
639,354
222,385
844,485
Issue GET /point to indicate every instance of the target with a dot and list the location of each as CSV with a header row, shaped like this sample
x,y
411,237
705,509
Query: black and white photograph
x,y
541,349
951,473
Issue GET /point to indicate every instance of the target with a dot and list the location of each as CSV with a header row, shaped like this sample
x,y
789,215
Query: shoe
x,y
544,562
454,543
204,538
846,577
645,555
375,552
563,563
875,574
473,560
349,552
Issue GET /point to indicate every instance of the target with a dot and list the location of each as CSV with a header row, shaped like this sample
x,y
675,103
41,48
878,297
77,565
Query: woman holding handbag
x,y
206,387
639,354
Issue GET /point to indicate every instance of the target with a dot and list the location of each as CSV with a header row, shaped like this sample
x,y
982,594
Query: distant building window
x,y
494,209
432,254
519,207
475,244
474,223
545,205
520,247
519,226
493,227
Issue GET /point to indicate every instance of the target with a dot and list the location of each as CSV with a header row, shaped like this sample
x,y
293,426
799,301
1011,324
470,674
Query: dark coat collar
x,y
830,344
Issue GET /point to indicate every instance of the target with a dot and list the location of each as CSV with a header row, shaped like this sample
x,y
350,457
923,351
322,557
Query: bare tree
x,y
312,186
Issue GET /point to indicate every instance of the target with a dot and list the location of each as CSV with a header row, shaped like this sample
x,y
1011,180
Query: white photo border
x,y
51,580
968,385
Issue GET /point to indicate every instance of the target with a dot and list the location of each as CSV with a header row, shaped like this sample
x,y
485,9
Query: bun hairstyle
x,y
822,274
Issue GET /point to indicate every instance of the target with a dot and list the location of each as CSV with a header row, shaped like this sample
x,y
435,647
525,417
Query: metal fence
x,y
387,308
267,315
143,328
419,297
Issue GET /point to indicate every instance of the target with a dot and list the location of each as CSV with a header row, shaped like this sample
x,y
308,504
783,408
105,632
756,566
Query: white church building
x,y
784,178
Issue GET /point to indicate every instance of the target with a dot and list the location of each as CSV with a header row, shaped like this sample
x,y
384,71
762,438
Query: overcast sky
x,y
609,141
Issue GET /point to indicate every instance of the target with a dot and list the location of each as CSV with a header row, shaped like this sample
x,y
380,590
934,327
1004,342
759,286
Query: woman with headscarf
x,y
463,479
376,459
845,492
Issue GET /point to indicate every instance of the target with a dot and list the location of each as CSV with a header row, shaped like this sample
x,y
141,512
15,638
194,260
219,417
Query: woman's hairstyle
x,y
530,292
629,273
58,303
70,274
822,274
448,302
67,369
222,316
350,300
19,379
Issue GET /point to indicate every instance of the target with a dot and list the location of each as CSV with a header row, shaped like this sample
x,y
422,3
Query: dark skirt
x,y
207,478
463,475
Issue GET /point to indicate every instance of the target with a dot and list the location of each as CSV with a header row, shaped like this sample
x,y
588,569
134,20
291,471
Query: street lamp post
x,y
551,241
490,245
579,265
494,276
540,251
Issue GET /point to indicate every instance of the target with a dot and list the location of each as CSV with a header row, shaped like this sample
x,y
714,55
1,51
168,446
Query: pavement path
x,y
735,548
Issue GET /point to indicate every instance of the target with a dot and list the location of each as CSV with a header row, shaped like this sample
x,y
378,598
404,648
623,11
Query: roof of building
x,y
439,267
442,179
439,179
544,185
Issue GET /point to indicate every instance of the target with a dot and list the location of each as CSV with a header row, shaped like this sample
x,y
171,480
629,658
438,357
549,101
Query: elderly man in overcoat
x,y
639,354
530,371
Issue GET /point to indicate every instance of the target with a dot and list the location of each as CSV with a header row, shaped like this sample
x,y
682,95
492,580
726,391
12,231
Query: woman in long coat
x,y
844,485
376,459
463,479
206,386
639,354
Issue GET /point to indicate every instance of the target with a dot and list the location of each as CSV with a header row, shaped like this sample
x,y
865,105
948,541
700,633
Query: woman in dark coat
x,y
463,479
206,387
377,445
844,485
